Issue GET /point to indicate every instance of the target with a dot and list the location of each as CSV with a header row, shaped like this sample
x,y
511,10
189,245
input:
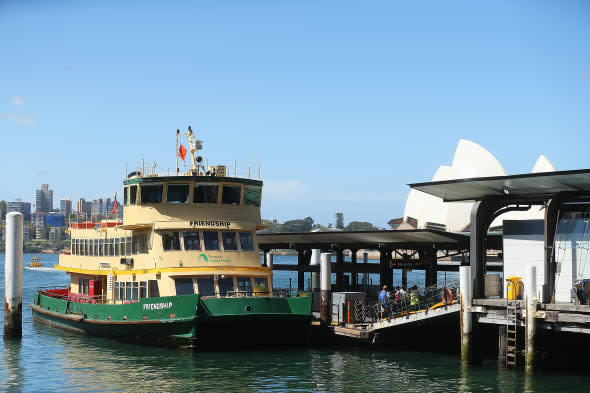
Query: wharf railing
x,y
401,305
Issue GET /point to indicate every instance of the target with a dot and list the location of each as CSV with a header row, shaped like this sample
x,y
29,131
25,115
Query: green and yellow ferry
x,y
183,266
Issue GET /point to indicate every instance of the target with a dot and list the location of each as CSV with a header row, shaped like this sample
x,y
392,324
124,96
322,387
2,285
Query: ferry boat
x,y
35,262
182,267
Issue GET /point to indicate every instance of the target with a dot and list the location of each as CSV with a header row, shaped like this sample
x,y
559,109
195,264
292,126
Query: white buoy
x,y
13,276
315,261
325,287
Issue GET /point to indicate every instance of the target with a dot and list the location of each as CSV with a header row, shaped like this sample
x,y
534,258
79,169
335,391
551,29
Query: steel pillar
x,y
551,220
340,270
429,257
354,276
385,270
303,259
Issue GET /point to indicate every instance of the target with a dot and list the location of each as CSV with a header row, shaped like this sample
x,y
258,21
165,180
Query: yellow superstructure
x,y
191,233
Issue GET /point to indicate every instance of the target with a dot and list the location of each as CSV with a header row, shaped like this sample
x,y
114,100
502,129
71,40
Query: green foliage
x,y
360,226
291,226
3,208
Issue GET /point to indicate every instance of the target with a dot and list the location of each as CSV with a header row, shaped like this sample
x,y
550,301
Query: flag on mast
x,y
115,205
182,152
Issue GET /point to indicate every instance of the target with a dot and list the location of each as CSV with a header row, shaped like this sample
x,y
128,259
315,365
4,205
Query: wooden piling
x,y
13,277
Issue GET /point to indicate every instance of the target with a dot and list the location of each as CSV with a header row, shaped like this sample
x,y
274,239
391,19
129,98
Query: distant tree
x,y
360,226
303,225
340,220
3,210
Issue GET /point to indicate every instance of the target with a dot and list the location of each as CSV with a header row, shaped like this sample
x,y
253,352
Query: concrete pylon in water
x,y
13,276
315,261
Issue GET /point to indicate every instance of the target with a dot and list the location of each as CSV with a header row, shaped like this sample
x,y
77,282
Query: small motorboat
x,y
35,262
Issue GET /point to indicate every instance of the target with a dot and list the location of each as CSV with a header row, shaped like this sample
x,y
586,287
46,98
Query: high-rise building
x,y
44,199
97,207
38,219
84,207
20,207
65,206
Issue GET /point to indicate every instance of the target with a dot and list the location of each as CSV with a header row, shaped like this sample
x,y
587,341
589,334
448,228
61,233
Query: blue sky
x,y
343,103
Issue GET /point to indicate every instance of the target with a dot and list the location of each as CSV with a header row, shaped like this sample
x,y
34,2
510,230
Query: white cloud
x,y
23,120
16,100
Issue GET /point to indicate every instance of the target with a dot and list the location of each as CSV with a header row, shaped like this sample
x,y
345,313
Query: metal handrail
x,y
402,306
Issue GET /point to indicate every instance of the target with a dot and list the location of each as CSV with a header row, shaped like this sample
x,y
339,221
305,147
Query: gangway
x,y
412,308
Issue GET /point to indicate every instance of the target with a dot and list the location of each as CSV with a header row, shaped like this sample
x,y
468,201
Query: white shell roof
x,y
470,160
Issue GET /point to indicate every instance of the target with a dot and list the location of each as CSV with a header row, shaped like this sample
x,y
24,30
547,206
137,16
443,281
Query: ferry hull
x,y
185,320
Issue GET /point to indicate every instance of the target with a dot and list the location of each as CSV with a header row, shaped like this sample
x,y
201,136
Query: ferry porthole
x,y
249,308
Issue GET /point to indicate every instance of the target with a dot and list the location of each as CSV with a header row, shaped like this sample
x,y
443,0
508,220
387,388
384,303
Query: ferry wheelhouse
x,y
183,264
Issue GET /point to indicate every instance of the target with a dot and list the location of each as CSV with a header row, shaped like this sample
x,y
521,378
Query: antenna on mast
x,y
195,146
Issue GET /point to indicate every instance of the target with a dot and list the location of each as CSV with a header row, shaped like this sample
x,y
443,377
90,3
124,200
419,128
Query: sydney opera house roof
x,y
471,160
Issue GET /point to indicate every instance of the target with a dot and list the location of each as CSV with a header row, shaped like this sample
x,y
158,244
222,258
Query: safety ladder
x,y
512,308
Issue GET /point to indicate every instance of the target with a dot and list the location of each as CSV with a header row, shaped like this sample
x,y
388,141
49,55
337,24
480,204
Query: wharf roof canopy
x,y
369,239
530,185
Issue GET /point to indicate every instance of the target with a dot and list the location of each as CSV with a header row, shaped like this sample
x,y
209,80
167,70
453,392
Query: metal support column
x,y
429,257
482,214
551,220
340,270
385,270
303,259
354,274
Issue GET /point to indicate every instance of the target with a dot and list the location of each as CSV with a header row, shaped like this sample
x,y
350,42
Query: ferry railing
x,y
402,305
63,293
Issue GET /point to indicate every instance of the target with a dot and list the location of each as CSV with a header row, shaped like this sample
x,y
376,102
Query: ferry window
x,y
109,252
252,195
140,243
118,291
126,196
75,246
177,193
230,241
184,286
244,284
205,193
260,285
151,193
132,195
246,241
135,291
171,241
85,286
128,290
231,195
211,240
206,286
153,288
128,245
226,284
117,251
191,241
142,289
100,247
95,247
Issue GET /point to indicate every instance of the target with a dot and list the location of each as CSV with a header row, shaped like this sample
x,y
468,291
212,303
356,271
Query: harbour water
x,y
49,360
